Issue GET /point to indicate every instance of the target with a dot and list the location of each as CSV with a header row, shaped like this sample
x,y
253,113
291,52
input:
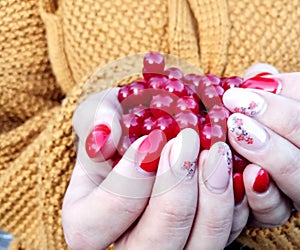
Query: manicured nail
x,y
263,74
238,188
262,181
264,83
149,151
217,168
96,140
247,132
184,153
244,101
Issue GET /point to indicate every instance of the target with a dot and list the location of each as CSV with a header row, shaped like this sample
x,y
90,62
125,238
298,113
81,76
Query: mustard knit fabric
x,y
50,48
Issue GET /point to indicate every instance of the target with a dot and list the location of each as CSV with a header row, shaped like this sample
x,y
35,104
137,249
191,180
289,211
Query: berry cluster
x,y
170,101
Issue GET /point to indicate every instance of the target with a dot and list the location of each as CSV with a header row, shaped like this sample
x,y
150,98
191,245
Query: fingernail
x,y
261,182
96,140
184,153
148,153
264,83
238,188
244,101
247,132
217,168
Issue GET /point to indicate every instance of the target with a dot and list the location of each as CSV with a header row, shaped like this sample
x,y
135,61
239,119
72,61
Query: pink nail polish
x,y
244,101
247,132
218,167
96,140
259,82
149,151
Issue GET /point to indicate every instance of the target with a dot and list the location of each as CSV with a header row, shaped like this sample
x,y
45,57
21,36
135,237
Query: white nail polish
x,y
244,101
184,153
247,132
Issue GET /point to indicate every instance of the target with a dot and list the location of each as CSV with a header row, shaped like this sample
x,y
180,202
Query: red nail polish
x,y
262,181
259,82
96,140
263,74
150,149
238,188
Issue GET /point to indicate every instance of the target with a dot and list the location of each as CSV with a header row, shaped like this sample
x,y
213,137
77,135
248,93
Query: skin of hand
x,y
273,123
188,203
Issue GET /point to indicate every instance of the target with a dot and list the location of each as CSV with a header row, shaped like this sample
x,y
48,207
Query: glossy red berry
x,y
148,125
231,82
210,134
239,163
192,79
157,82
211,95
186,103
154,64
123,93
141,111
192,91
162,104
218,114
188,120
175,87
131,124
174,73
168,125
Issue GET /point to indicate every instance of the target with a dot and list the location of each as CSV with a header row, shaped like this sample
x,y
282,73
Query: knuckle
x,y
178,216
76,235
117,203
217,227
291,166
75,240
293,128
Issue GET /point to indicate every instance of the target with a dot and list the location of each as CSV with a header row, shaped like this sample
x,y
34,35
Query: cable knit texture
x,y
50,48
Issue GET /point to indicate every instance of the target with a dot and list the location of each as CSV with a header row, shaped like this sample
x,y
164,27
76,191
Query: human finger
x,y
278,113
287,82
269,207
213,222
96,121
169,216
122,195
264,147
259,68
241,208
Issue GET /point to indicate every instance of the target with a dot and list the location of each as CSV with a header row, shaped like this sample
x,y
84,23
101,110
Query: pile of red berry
x,y
170,101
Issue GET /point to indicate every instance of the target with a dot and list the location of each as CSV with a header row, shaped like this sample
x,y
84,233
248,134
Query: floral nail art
x,y
251,110
240,133
244,101
189,167
224,151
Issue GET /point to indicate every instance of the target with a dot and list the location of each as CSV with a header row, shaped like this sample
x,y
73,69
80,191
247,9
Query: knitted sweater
x,y
50,48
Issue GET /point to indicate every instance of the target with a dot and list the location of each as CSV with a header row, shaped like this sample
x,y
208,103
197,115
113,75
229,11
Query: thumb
x,y
259,68
96,121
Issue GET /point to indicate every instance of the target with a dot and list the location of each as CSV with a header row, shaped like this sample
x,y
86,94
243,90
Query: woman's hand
x,y
268,134
188,203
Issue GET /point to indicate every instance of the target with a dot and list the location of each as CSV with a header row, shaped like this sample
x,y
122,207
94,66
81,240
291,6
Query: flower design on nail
x,y
238,122
251,109
224,151
252,105
189,167
240,132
